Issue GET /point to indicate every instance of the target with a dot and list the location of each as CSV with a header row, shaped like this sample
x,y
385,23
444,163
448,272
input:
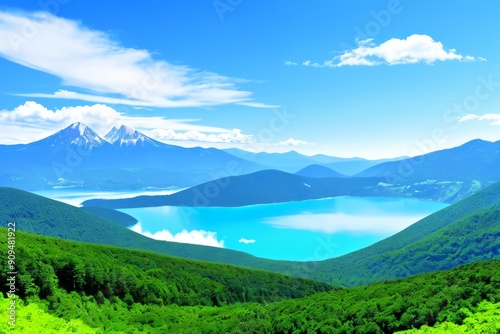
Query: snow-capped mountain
x,y
75,138
111,136
77,134
126,136
125,159
75,146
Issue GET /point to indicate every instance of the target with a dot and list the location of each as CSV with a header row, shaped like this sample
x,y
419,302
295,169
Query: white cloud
x,y
233,136
290,63
468,117
494,119
98,116
33,121
93,61
414,49
258,105
341,222
310,63
246,241
294,142
197,237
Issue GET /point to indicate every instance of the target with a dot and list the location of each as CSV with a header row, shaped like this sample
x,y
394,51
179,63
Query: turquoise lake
x,y
300,231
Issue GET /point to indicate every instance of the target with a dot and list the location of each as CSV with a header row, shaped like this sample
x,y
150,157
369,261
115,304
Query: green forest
x,y
100,289
47,264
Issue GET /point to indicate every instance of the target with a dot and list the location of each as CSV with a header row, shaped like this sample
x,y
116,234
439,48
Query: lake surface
x,y
302,231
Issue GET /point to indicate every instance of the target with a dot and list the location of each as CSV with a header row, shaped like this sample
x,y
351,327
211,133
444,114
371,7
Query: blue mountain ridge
x,y
445,176
77,156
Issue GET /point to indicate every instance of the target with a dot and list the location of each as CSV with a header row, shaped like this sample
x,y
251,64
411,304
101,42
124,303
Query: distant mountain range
x,y
293,161
125,159
476,160
446,176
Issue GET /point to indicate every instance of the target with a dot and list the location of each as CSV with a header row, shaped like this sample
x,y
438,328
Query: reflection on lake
x,y
308,230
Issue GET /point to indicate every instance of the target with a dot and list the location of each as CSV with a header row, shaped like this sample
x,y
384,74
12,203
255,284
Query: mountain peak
x,y
78,125
127,130
477,141
316,170
111,135
127,136
80,134
76,134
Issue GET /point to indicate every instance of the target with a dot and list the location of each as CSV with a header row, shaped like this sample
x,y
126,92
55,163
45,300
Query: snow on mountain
x,y
77,134
127,136
111,136
83,134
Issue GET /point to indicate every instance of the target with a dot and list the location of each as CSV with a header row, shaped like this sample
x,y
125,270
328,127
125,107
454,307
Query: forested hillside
x,y
110,214
47,264
106,289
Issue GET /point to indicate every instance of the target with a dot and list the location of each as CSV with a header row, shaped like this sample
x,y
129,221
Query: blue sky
x,y
372,79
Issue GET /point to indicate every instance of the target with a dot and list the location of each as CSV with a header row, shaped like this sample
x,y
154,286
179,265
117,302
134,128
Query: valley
x,y
249,167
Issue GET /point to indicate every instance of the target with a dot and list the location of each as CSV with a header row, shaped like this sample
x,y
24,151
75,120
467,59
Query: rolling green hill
x,y
113,215
40,215
100,289
464,232
47,264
